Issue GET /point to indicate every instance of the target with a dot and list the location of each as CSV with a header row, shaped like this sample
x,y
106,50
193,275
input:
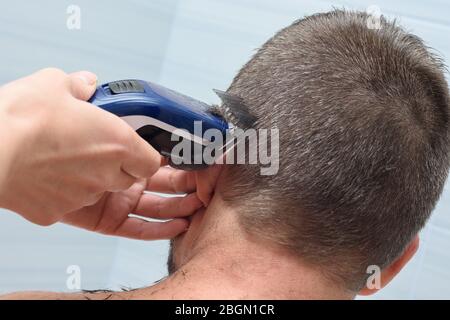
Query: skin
x,y
216,259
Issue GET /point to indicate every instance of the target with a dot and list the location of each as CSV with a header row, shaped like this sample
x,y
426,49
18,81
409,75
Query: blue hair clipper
x,y
155,112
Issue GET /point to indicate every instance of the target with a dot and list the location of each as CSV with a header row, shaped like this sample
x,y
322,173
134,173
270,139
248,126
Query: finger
x,y
152,206
170,180
143,160
164,161
120,182
82,84
93,199
50,75
139,229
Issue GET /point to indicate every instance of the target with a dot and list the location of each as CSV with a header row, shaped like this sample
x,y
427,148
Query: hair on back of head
x,y
364,141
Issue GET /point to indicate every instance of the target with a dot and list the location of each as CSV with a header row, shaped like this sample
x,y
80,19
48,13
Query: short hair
x,y
363,119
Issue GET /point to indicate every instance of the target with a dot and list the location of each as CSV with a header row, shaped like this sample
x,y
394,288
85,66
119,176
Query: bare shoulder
x,y
43,295
40,295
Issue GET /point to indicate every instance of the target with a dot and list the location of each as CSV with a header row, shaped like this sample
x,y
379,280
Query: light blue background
x,y
191,46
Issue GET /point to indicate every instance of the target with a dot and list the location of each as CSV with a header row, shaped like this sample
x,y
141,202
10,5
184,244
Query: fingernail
x,y
88,77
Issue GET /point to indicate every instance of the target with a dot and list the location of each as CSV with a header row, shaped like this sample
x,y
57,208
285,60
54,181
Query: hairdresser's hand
x,y
59,153
111,214
202,182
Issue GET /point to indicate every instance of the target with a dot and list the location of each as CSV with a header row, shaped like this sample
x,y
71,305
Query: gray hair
x,y
364,142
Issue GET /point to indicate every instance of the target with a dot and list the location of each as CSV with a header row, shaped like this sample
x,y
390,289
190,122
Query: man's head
x,y
363,119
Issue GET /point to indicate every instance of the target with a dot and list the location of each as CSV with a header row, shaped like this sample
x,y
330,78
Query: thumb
x,y
143,160
82,84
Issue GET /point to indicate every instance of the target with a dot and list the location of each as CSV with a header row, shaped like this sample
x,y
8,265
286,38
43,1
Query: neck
x,y
229,265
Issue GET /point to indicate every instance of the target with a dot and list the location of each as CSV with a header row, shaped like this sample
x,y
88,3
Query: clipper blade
x,y
234,110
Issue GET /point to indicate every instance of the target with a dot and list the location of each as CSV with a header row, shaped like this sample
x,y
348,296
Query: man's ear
x,y
392,270
206,181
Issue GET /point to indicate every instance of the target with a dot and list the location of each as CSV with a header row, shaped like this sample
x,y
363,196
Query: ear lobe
x,y
392,270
